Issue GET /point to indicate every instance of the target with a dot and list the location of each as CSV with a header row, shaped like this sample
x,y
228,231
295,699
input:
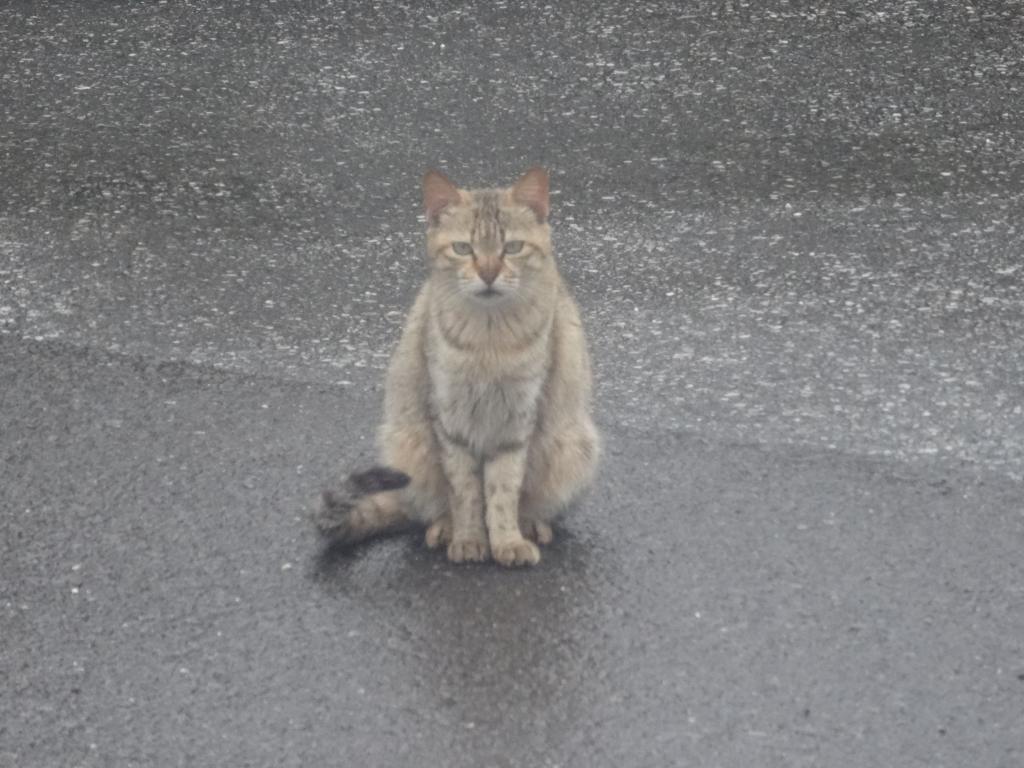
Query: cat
x,y
487,430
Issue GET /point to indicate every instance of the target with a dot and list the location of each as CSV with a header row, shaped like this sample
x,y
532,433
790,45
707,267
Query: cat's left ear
x,y
532,191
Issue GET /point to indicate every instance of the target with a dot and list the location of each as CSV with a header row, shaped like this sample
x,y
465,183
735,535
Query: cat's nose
x,y
488,270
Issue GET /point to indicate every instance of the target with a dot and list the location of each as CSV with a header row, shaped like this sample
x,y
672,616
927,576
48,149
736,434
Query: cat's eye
x,y
462,248
513,247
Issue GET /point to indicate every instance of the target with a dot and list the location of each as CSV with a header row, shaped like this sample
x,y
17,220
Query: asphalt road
x,y
796,237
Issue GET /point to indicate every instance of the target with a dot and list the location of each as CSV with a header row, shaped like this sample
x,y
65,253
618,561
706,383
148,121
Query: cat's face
x,y
490,247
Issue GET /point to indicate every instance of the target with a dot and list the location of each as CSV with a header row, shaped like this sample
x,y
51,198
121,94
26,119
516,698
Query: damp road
x,y
795,236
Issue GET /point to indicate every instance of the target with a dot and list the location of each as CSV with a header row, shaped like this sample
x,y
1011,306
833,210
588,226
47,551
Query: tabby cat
x,y
487,431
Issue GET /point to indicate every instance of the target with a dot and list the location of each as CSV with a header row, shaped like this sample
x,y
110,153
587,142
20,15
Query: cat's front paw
x,y
516,552
472,549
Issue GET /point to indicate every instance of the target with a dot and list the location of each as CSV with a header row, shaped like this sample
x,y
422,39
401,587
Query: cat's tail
x,y
366,504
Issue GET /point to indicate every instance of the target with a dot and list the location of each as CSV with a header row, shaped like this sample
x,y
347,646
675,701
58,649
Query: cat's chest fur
x,y
487,400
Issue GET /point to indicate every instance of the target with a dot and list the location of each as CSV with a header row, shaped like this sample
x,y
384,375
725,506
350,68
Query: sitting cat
x,y
487,431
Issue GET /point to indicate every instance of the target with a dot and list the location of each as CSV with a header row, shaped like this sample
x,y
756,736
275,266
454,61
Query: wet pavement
x,y
796,239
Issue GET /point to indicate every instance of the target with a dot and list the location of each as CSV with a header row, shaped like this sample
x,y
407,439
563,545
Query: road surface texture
x,y
796,232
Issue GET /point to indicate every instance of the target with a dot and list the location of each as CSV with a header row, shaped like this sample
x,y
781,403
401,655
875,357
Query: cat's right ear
x,y
438,194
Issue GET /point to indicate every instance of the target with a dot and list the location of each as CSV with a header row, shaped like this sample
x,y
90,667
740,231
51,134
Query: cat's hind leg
x,y
561,465
536,530
412,447
439,532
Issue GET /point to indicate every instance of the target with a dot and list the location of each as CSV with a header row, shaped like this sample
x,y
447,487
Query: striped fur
x,y
487,406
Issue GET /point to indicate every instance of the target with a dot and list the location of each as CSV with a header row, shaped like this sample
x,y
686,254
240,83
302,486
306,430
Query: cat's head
x,y
490,246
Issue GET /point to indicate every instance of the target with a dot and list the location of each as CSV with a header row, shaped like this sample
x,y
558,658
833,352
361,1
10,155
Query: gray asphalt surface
x,y
796,237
